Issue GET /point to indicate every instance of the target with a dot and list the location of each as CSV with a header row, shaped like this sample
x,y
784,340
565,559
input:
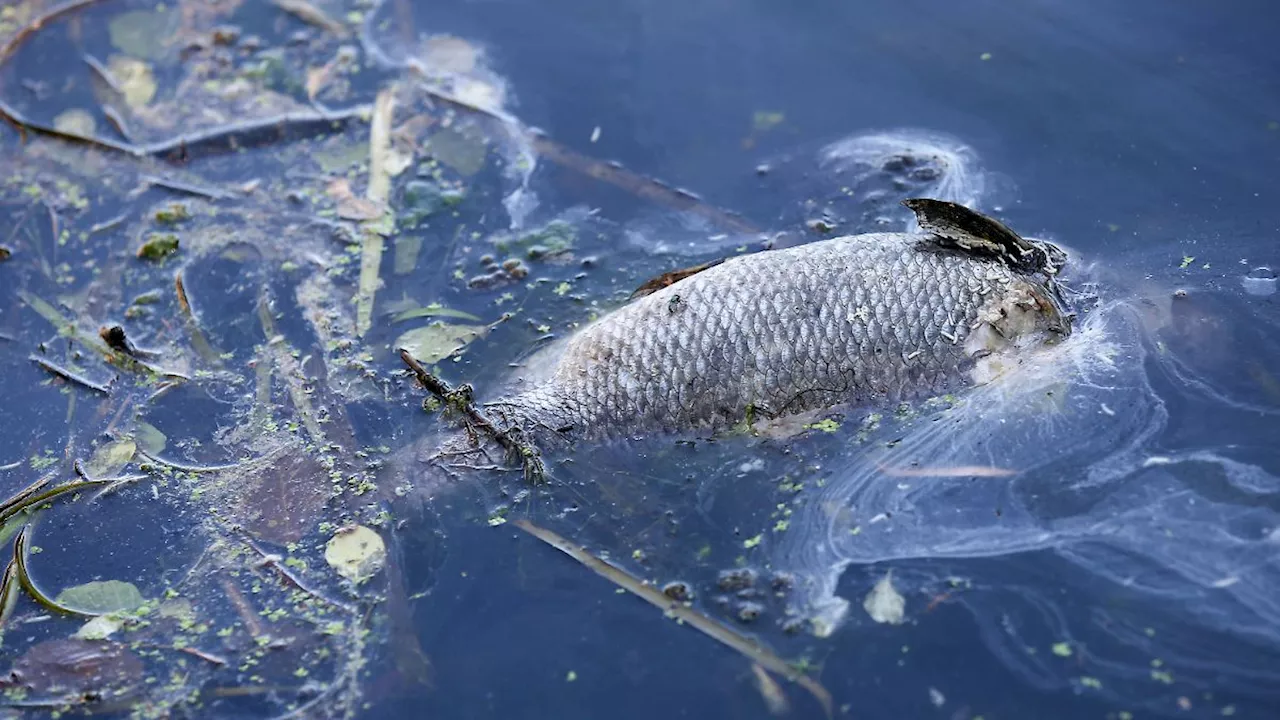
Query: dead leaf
x,y
351,207
356,553
135,78
111,458
75,121
884,603
435,342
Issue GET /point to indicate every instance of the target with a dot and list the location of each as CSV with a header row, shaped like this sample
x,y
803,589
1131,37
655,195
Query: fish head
x,y
1029,315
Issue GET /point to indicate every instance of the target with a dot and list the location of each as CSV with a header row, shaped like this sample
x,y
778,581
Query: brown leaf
x,y
351,207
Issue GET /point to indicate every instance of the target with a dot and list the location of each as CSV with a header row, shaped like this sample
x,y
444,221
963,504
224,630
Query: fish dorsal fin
x,y
955,225
670,278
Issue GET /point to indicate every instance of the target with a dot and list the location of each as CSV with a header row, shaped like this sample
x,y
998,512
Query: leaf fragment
x,y
884,603
150,439
158,246
75,121
110,458
437,341
136,80
101,596
99,628
356,553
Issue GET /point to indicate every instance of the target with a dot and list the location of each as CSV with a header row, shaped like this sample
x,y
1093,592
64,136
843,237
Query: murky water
x,y
1100,538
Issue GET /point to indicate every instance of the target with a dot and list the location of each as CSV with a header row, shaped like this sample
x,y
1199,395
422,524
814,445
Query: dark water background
x,y
1137,134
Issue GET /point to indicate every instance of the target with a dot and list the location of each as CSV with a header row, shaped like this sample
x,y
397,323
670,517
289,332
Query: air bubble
x,y
1260,281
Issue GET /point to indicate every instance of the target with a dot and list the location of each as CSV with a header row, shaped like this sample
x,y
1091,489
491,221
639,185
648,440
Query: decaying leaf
x,y
135,79
309,13
413,311
406,255
101,596
99,628
356,553
351,207
109,459
884,603
177,608
397,162
158,246
437,341
464,152
75,121
150,439
141,33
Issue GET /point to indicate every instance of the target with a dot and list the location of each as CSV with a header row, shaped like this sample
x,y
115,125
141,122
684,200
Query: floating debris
x,y
158,246
1260,281
356,553
313,15
774,697
884,603
435,342
101,596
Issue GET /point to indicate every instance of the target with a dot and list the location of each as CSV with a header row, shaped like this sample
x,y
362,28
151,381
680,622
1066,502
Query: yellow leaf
x,y
356,553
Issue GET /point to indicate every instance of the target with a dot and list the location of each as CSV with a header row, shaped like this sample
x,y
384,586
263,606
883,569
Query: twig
x,y
612,173
114,484
118,122
726,636
313,15
246,611
108,224
69,375
460,399
29,498
19,497
193,468
207,657
8,592
186,188
198,341
639,185
103,73
274,561
24,578
283,359
65,326
37,23
372,242
238,135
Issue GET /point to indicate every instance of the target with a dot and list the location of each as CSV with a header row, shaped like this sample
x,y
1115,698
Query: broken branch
x,y
460,399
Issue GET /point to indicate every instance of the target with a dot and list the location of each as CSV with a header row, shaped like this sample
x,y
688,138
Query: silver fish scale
x,y
868,318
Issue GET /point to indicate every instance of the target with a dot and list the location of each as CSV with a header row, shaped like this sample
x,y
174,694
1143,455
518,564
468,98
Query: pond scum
x,y
185,341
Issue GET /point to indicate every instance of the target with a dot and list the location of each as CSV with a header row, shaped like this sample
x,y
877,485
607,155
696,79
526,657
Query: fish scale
x,y
861,319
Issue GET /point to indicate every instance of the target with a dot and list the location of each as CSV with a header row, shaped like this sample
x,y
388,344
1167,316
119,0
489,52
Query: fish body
x,y
861,319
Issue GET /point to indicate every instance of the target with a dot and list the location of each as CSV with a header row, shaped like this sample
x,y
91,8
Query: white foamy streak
x,y
1078,423
1045,417
474,85
961,180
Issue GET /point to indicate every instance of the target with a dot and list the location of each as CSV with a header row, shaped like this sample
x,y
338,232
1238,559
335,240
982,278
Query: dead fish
x,y
857,320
